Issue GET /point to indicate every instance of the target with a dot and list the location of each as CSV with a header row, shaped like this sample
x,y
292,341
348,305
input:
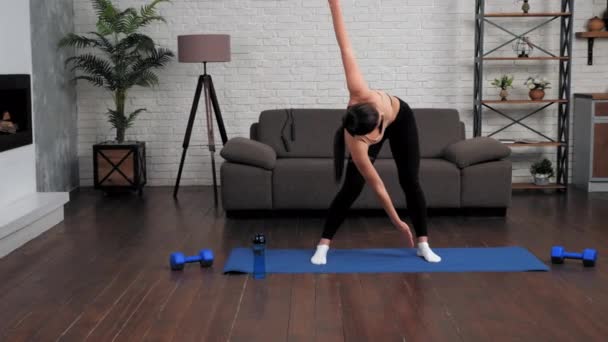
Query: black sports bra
x,y
366,139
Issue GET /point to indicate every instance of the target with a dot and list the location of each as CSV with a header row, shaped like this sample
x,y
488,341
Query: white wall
x,y
17,166
285,55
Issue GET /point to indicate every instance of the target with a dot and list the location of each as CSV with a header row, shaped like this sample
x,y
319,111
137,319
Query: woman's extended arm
x,y
355,82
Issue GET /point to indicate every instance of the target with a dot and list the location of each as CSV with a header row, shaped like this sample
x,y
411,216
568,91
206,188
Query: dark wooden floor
x,y
102,275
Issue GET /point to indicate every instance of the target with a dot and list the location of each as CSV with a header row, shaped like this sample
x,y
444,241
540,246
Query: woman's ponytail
x,y
339,153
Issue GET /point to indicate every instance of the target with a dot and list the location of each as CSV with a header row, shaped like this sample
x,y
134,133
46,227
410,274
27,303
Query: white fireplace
x,y
24,213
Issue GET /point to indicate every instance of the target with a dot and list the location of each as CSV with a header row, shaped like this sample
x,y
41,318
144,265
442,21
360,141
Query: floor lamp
x,y
203,48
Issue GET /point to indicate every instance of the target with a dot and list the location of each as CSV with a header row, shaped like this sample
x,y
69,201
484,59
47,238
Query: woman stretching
x,y
371,118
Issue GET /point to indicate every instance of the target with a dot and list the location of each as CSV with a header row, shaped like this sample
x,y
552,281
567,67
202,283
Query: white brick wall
x,y
285,55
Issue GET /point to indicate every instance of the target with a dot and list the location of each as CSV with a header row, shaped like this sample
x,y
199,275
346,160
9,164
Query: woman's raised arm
x,y
356,84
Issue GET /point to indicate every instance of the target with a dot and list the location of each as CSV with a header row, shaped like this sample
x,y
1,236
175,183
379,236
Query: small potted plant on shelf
x,y
542,171
118,58
503,83
537,87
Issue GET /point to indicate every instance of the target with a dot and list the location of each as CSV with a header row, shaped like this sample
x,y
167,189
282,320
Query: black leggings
x,y
403,138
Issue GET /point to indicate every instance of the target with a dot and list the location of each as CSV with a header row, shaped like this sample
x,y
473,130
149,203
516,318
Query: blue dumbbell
x,y
177,259
558,254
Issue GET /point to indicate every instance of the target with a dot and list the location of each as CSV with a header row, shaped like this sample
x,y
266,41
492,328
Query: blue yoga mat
x,y
496,259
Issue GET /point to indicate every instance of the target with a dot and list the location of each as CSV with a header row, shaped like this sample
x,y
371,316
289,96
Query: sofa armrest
x,y
474,151
250,152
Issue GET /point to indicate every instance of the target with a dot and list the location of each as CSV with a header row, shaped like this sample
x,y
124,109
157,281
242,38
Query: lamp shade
x,y
199,48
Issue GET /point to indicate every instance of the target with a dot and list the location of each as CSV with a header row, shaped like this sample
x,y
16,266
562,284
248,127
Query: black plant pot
x,y
119,166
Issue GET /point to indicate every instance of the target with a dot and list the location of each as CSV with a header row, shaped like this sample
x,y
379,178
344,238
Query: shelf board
x,y
547,58
520,186
593,96
596,34
536,144
522,101
521,14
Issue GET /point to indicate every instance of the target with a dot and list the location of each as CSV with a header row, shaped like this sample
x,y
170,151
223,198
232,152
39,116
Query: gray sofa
x,y
287,164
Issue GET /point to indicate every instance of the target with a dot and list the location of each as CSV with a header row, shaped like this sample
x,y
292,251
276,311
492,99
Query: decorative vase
x,y
537,94
541,179
503,94
525,7
595,24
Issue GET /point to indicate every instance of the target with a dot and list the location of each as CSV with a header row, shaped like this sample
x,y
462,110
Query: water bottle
x,y
259,255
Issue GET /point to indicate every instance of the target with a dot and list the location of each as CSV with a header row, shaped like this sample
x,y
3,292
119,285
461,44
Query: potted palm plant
x,y
118,58
542,171
503,83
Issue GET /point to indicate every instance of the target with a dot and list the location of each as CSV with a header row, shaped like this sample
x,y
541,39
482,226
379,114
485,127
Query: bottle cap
x,y
259,238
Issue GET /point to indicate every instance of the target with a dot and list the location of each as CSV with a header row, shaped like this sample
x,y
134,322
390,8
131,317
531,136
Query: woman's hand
x,y
402,226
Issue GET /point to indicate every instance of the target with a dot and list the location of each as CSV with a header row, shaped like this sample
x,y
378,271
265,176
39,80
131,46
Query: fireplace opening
x,y
15,111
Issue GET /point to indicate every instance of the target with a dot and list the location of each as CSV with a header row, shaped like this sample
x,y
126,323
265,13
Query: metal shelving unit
x,y
565,17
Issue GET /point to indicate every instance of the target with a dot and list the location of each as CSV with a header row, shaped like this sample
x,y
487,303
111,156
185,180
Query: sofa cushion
x,y
307,183
487,184
440,181
249,152
314,129
441,184
476,150
245,187
303,183
437,129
